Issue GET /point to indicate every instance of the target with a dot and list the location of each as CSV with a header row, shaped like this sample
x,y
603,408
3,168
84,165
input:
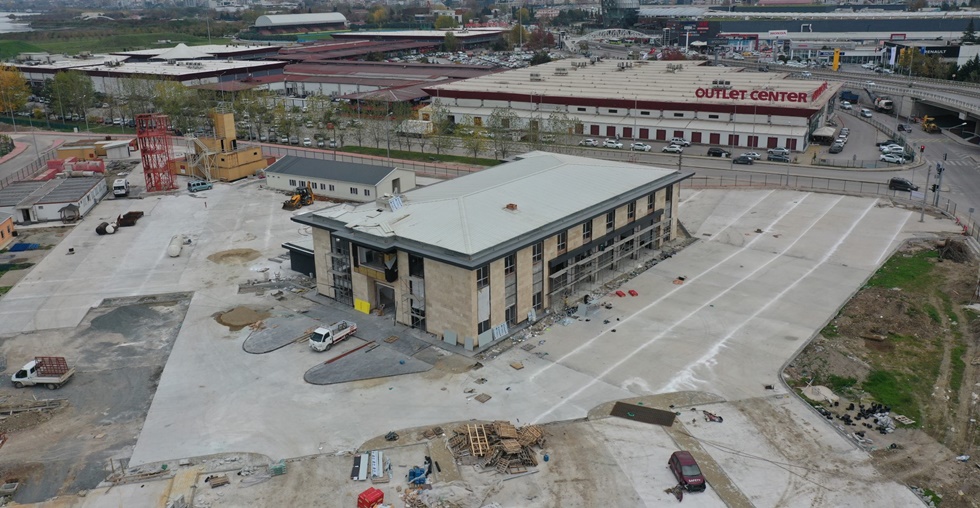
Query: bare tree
x,y
499,126
476,142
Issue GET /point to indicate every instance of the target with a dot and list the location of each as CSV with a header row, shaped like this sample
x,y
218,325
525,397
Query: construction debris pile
x,y
498,445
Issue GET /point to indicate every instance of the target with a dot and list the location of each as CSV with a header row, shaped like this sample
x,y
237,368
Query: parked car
x,y
901,184
639,146
680,142
866,113
588,142
307,142
612,143
846,105
891,158
845,131
752,155
687,472
263,138
836,148
320,143
893,150
743,159
283,140
673,149
869,83
775,157
778,151
718,152
887,142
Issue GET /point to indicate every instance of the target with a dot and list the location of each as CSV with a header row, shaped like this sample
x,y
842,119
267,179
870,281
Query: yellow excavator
x,y
929,125
301,197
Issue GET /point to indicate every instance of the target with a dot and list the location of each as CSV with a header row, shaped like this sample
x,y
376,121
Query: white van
x,y
120,187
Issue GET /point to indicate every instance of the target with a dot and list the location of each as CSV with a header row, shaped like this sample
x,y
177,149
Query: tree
x,y
517,36
379,16
541,57
969,35
444,22
475,142
15,89
916,5
561,126
72,92
501,126
441,128
180,103
540,39
450,43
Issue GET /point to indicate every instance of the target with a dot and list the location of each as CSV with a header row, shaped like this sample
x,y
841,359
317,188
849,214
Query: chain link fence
x,y
29,171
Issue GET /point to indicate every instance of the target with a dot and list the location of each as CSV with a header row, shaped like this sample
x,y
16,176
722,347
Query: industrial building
x,y
467,37
43,201
338,180
299,23
650,101
473,258
206,51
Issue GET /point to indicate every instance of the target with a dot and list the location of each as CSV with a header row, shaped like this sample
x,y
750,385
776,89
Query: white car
x,y
680,142
643,147
778,151
673,149
846,105
752,155
892,158
307,142
588,142
869,83
893,150
612,143
866,113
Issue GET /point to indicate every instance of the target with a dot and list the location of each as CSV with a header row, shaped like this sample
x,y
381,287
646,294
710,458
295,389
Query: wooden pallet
x,y
510,446
491,458
218,481
478,440
505,429
529,435
527,458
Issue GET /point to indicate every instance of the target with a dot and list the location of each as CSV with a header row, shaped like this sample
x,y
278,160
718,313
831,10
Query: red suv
x,y
687,472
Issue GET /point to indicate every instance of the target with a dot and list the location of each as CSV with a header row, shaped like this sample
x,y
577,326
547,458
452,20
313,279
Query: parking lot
x,y
768,269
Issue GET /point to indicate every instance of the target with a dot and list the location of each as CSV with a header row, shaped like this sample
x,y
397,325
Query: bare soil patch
x,y
234,256
906,340
240,317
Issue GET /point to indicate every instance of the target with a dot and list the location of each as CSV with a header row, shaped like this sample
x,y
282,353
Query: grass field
x,y
422,157
108,43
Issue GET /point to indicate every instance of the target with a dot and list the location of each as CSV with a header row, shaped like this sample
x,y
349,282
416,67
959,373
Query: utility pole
x,y
922,214
940,169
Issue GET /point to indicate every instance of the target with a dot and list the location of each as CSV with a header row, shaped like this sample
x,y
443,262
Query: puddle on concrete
x,y
234,256
240,317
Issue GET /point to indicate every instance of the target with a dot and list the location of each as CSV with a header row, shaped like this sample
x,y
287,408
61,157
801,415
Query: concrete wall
x,y
323,262
6,231
450,299
406,180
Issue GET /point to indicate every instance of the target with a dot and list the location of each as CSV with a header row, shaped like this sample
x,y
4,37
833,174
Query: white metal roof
x,y
469,214
299,19
181,52
210,49
645,80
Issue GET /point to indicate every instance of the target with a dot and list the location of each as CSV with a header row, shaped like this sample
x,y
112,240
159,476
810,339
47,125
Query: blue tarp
x,y
19,247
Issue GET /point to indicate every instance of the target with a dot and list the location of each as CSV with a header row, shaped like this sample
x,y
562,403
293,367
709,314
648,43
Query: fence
x,y
29,171
433,169
944,206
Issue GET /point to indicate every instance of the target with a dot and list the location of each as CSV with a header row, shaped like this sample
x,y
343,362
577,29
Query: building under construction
x,y
219,157
473,258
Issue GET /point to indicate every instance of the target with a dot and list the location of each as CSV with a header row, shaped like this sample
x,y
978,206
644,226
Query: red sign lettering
x,y
755,95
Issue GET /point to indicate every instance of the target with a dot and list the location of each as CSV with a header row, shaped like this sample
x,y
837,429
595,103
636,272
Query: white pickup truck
x,y
323,339
50,371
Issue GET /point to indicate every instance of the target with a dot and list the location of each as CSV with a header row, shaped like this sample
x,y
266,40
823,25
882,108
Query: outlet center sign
x,y
753,95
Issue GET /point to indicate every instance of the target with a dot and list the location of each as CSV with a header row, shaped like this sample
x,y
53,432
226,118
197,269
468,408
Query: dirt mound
x,y
27,419
240,317
234,256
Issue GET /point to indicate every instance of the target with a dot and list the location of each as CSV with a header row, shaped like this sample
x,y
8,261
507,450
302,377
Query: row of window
x,y
328,187
610,223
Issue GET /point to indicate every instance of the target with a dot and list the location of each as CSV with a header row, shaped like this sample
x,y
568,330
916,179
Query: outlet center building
x,y
471,258
648,101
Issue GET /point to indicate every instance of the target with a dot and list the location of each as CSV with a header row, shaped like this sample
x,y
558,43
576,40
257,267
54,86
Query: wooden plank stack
x,y
499,445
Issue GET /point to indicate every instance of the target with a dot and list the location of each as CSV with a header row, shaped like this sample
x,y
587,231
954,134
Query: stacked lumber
x,y
499,445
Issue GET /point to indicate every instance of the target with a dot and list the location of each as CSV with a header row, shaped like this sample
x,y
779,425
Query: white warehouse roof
x,y
275,20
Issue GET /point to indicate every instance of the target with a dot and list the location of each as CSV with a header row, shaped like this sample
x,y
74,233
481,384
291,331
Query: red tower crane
x,y
156,151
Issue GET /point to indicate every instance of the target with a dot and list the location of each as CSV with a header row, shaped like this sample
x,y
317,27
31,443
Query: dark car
x,y
775,157
718,152
901,184
836,148
888,142
742,159
687,472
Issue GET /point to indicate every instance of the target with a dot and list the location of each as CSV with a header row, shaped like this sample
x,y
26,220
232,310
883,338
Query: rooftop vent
x,y
536,76
511,206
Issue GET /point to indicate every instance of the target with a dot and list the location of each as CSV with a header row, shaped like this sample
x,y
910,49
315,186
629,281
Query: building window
x,y
537,252
631,211
367,192
581,109
331,187
292,183
537,300
644,113
482,326
587,232
323,186
353,190
562,242
713,117
610,221
510,264
483,277
678,115
613,111
650,203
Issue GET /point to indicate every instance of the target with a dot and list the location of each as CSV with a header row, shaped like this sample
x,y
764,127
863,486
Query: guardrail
x,y
971,106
